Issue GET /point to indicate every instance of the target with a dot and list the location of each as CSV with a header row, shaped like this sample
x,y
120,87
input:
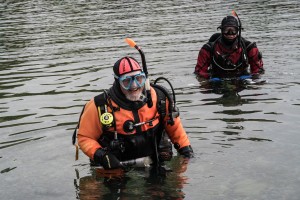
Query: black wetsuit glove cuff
x,y
186,152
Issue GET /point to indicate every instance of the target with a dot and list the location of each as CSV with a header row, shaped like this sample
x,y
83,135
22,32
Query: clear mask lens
x,y
138,79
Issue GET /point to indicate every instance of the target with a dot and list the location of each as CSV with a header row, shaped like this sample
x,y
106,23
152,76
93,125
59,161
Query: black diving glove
x,y
186,152
106,159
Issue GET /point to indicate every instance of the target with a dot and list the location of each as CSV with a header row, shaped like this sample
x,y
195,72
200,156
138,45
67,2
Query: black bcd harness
x,y
245,45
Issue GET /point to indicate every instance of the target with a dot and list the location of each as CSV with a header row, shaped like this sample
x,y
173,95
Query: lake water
x,y
56,55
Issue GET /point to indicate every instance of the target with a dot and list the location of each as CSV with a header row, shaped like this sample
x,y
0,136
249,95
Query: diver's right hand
x,y
106,159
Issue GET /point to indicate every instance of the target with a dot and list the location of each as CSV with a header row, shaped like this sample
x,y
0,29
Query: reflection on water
x,y
229,96
16,142
138,183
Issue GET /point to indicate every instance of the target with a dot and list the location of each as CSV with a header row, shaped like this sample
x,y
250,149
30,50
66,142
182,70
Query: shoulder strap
x,y
248,45
209,46
161,101
100,102
214,37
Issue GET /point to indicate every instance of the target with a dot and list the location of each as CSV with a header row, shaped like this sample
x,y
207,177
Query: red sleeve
x,y
255,61
203,62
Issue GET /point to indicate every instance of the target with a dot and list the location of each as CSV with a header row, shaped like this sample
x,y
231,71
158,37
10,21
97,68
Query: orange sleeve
x,y
177,133
90,130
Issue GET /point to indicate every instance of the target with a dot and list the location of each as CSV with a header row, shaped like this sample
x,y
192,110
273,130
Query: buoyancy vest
x,y
124,136
221,65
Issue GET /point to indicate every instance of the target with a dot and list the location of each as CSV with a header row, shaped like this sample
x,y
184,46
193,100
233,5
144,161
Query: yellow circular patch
x,y
106,118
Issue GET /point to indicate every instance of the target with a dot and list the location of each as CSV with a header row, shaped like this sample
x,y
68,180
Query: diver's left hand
x,y
186,152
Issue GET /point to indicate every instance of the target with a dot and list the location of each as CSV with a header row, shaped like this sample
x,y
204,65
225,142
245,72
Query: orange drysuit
x,y
91,129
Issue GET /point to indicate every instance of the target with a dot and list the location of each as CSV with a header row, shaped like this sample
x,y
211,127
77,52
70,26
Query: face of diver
x,y
132,85
230,33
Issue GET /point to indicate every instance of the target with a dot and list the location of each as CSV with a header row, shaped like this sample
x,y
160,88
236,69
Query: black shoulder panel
x,y
100,100
211,42
248,45
214,37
